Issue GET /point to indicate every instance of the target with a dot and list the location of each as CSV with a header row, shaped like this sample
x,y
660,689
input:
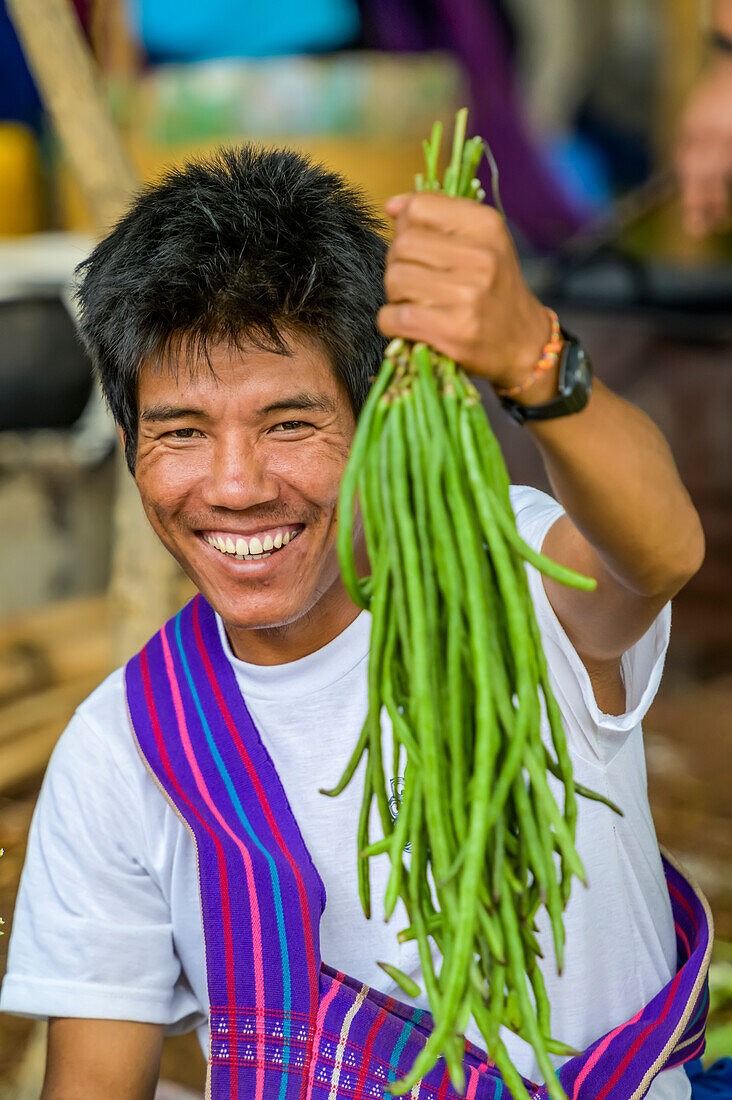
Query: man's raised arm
x,y
453,280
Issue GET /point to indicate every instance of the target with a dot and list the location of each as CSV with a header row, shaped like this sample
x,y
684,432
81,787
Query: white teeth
x,y
249,550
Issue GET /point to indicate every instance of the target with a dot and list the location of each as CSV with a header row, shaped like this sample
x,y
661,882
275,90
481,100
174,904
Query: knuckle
x,y
386,320
390,278
400,246
487,265
471,328
474,296
405,315
421,206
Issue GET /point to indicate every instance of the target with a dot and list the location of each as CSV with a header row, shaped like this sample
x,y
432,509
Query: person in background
x,y
704,141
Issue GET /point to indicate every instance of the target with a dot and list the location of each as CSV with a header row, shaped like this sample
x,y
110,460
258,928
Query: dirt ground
x,y
688,738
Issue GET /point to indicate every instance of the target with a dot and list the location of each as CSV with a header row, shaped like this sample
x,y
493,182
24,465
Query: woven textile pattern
x,y
284,1025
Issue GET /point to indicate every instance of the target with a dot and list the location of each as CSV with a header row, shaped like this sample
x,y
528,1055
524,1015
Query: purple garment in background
x,y
472,31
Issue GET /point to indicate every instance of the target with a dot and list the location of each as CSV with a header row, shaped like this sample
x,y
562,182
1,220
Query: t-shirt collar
x,y
307,675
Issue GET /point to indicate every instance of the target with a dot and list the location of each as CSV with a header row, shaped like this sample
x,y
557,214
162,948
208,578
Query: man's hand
x,y
704,151
453,280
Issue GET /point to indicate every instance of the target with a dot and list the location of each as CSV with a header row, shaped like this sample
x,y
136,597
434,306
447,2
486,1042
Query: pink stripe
x,y
225,904
680,932
256,925
697,1050
375,1028
444,1085
319,1029
313,969
598,1053
683,902
472,1084
641,1039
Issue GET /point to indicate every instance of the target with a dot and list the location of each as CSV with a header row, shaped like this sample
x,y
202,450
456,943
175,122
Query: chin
x,y
247,613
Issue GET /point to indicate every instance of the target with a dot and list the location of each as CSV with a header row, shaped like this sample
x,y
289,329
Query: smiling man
x,y
261,549
181,855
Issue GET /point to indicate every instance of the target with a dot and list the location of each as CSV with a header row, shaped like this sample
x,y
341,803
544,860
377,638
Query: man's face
x,y
239,471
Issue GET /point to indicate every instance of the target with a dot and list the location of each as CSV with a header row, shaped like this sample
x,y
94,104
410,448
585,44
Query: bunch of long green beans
x,y
456,659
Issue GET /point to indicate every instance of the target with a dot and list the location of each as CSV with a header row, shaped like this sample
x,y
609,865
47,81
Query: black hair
x,y
250,245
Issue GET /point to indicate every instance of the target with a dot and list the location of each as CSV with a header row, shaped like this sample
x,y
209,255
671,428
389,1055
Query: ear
x,y
122,435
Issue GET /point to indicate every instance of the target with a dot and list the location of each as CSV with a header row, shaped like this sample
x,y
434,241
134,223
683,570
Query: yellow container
x,y
21,204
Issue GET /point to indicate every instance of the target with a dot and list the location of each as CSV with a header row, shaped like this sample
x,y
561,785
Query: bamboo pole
x,y
146,583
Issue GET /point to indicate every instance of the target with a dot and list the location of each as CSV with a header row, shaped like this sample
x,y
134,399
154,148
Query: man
x,y
231,318
703,152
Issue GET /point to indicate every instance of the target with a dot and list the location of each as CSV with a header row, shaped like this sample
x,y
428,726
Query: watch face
x,y
575,378
574,385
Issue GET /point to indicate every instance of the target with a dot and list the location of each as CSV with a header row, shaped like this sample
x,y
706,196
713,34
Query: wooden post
x,y
146,582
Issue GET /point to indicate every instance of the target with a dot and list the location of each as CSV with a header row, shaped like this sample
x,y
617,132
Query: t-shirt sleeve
x,y
91,932
598,735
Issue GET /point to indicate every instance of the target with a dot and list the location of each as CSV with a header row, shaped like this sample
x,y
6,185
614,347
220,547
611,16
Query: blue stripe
x,y
702,1008
399,1047
276,891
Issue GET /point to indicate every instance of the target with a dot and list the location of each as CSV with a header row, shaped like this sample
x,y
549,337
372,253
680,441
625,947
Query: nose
x,y
238,477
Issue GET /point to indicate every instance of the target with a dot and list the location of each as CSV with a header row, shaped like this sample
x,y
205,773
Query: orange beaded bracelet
x,y
549,356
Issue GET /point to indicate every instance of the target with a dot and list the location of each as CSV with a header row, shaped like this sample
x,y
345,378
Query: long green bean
x,y
457,664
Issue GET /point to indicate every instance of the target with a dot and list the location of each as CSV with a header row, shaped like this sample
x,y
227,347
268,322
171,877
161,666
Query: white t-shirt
x,y
108,921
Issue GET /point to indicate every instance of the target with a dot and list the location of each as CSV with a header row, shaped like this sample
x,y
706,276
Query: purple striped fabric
x,y
284,1025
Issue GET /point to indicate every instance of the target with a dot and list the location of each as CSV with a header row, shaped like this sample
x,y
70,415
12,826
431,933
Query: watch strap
x,y
575,383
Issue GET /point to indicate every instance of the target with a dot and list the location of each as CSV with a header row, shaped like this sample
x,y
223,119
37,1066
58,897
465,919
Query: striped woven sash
x,y
283,1025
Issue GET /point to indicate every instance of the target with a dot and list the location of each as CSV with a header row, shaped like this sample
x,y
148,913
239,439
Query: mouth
x,y
255,546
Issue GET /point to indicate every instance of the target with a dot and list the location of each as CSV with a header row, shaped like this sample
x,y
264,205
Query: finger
x,y
415,244
408,282
460,217
415,322
396,204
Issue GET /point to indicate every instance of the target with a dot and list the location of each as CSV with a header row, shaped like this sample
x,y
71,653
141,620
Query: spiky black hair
x,y
250,245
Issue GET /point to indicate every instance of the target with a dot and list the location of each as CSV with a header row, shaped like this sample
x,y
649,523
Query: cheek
x,y
166,475
315,477
165,480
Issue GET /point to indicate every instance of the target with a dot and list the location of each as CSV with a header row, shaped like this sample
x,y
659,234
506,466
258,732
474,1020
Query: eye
x,y
183,433
293,425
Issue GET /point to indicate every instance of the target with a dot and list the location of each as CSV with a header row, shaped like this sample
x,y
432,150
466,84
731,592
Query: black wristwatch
x,y
575,383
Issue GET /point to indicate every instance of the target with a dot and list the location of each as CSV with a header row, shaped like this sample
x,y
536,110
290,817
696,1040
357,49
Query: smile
x,y
254,547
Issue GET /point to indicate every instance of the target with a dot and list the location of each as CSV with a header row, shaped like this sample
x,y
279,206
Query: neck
x,y
279,645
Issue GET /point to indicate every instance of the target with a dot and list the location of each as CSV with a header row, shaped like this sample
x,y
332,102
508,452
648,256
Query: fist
x,y
453,280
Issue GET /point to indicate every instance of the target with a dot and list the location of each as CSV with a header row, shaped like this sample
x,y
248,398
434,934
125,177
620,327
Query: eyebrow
x,y
319,402
169,412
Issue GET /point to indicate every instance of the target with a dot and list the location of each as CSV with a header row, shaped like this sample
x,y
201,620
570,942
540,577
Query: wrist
x,y
535,379
543,389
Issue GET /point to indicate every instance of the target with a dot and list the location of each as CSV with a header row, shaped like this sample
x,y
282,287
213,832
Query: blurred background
x,y
581,104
